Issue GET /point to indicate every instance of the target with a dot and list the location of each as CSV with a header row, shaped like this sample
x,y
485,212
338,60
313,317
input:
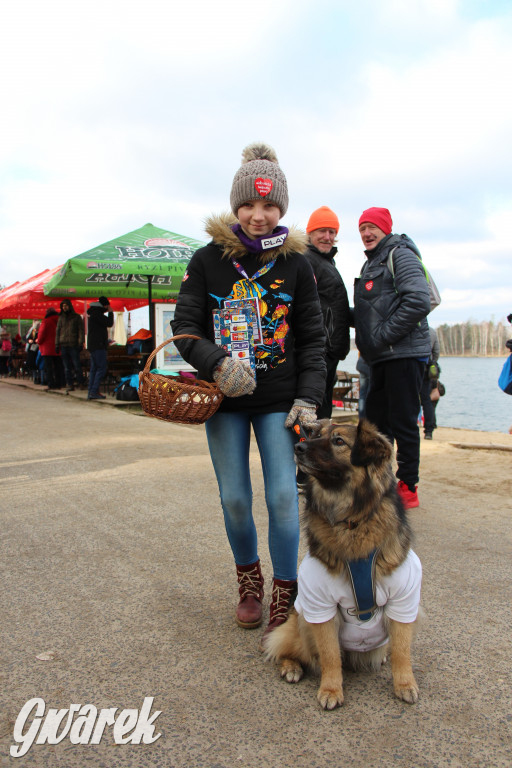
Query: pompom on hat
x,y
381,217
259,178
322,218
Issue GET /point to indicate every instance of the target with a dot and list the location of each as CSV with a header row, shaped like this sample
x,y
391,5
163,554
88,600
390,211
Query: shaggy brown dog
x,y
352,514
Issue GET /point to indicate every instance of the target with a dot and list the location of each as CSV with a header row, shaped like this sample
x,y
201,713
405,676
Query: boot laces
x,y
250,583
281,597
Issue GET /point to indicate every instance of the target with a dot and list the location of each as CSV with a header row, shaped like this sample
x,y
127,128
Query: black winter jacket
x,y
390,314
334,302
289,362
97,333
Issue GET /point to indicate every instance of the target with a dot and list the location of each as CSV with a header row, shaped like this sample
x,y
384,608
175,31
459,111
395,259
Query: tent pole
x,y
151,308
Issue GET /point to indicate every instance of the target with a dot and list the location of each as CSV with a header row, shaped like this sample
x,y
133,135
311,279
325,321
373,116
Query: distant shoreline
x,y
498,355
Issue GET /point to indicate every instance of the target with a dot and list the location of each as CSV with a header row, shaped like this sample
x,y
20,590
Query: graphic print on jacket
x,y
273,314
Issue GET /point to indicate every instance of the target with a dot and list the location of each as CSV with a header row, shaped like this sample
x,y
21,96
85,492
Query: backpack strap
x,y
433,290
390,265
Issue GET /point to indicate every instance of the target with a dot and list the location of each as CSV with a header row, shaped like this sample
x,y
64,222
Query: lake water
x,y
473,399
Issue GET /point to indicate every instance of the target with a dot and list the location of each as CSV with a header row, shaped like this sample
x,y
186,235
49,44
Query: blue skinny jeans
x,y
229,436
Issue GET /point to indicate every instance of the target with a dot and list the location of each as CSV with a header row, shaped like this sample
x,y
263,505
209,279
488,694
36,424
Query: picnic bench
x,y
120,364
346,390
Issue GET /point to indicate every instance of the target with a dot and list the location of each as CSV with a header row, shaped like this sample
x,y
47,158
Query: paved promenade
x,y
117,584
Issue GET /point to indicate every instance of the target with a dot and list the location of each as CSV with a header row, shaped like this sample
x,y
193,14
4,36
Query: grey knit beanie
x,y
259,177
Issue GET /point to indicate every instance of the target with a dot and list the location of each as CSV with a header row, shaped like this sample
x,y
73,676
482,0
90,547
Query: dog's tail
x,y
283,642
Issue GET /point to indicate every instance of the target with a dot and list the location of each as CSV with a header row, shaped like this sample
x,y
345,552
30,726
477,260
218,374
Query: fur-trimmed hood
x,y
219,229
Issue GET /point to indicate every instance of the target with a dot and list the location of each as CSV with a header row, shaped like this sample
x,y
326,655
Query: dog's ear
x,y
370,446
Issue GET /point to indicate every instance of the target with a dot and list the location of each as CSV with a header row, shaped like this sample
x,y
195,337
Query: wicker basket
x,y
176,398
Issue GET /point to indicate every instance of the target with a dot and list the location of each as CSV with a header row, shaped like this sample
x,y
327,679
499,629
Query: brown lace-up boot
x,y
283,597
249,610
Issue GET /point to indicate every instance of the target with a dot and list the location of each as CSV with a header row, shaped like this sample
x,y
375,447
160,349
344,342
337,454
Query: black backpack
x,y
125,391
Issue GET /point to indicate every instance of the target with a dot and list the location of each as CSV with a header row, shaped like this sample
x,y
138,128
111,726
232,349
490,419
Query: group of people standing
x,y
60,338
305,320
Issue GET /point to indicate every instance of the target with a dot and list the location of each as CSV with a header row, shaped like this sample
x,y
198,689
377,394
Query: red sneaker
x,y
409,498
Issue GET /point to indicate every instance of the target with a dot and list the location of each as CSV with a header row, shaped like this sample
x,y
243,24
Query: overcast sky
x,y
118,113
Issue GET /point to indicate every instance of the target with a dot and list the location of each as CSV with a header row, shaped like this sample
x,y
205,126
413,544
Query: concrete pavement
x,y
115,569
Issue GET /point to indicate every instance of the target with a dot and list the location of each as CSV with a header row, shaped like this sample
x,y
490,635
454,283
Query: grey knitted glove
x,y
303,411
233,378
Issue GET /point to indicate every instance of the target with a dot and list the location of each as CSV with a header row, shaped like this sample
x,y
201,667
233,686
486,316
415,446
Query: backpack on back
x,y
433,290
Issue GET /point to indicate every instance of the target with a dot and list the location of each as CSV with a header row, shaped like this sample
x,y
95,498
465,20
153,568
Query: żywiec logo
x,y
129,727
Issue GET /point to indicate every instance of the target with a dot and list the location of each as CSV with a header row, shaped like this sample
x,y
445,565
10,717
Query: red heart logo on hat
x,y
263,186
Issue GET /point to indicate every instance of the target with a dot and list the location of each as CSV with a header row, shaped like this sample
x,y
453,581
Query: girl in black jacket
x,y
251,256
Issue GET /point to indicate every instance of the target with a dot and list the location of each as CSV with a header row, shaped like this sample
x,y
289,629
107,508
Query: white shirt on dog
x,y
321,594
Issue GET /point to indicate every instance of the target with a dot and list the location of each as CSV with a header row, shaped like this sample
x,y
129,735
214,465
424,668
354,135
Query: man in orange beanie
x,y
322,229
390,311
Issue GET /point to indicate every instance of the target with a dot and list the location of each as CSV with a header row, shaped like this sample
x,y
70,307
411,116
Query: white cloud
x,y
122,113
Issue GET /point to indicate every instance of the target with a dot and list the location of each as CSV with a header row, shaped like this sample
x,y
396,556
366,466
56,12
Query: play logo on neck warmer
x,y
263,186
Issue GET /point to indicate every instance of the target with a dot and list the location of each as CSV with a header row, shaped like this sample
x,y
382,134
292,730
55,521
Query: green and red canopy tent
x,y
146,265
26,301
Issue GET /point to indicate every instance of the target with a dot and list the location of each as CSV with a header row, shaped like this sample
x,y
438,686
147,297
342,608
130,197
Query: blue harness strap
x,y
362,578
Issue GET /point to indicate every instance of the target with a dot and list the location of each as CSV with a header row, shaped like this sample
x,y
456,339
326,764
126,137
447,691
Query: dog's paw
x,y
330,698
291,670
407,691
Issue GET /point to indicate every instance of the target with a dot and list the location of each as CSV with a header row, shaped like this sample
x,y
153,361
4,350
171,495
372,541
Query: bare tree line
x,y
485,339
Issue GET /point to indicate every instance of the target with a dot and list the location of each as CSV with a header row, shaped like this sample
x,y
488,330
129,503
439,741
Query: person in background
x,y
17,343
429,383
364,371
390,318
97,344
5,351
323,227
250,255
508,345
52,365
69,341
17,356
31,348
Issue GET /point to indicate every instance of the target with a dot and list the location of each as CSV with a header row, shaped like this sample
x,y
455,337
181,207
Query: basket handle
x,y
164,344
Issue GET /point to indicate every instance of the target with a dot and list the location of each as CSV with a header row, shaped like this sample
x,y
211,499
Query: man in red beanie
x,y
390,311
322,229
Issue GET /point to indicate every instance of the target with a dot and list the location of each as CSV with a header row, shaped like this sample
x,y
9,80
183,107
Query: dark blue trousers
x,y
71,360
98,369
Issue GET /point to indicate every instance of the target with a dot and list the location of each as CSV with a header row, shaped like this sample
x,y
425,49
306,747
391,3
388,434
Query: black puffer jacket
x,y
289,362
334,302
390,314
